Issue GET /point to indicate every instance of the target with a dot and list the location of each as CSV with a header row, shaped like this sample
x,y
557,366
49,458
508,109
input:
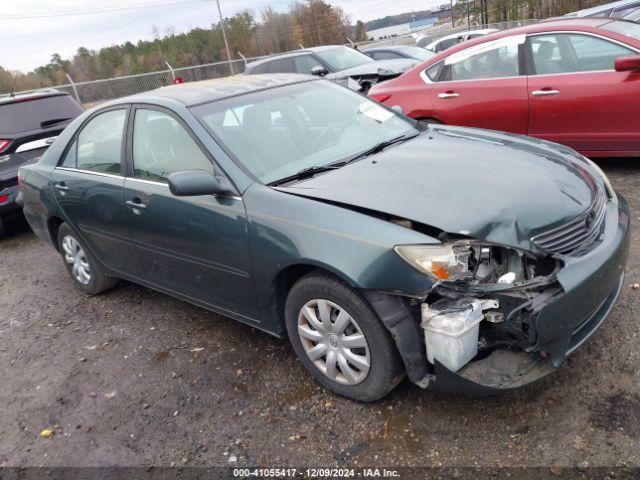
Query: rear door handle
x,y
545,92
448,95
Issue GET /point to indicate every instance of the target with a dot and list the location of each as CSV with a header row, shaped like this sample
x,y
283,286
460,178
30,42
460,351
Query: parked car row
x,y
571,81
339,63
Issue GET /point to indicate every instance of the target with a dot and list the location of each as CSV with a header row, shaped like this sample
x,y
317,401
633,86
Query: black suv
x,y
29,123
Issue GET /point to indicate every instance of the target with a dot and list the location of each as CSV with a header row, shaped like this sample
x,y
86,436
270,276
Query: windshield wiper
x,y
378,147
311,171
307,172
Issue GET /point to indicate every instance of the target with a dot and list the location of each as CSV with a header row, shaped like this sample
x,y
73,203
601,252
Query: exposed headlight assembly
x,y
476,263
440,262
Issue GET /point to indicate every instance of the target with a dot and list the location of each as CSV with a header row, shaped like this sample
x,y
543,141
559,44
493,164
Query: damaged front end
x,y
498,317
483,306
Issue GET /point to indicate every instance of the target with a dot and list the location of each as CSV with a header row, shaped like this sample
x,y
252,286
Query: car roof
x,y
557,24
600,8
30,95
483,31
195,93
293,53
387,47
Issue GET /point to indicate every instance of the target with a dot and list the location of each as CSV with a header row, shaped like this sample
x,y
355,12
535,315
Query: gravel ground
x,y
136,378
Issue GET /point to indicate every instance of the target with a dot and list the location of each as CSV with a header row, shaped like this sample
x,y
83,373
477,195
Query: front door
x,y
88,187
194,246
577,98
482,87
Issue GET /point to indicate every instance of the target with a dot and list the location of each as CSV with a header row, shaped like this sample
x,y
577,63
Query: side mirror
x,y
196,182
628,64
319,71
398,108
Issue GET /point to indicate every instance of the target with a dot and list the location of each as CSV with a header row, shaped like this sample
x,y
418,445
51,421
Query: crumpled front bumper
x,y
591,283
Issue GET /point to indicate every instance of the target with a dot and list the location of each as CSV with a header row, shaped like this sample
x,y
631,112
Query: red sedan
x,y
575,82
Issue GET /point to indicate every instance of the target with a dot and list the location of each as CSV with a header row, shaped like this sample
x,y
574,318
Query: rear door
x,y
194,246
482,86
88,183
576,96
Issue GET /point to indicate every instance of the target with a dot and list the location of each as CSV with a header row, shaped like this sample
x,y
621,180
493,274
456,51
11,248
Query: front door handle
x,y
136,205
448,94
545,92
61,187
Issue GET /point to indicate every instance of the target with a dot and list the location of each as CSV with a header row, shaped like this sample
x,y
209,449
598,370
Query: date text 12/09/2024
x,y
316,472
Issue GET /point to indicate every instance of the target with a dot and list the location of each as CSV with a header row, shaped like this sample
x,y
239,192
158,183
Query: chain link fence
x,y
97,91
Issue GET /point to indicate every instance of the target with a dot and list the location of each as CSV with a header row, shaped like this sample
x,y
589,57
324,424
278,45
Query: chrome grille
x,y
578,234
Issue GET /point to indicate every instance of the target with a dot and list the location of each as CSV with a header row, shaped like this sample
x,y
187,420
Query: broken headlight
x,y
440,262
475,262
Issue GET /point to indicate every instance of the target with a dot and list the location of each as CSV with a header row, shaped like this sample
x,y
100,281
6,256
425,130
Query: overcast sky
x,y
29,42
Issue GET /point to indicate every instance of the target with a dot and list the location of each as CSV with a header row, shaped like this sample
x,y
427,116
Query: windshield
x,y
278,132
623,28
342,58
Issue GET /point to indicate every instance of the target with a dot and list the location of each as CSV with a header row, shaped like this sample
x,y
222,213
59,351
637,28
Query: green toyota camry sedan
x,y
461,258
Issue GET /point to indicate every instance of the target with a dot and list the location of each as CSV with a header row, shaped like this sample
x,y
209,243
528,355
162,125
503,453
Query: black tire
x,y
386,369
98,282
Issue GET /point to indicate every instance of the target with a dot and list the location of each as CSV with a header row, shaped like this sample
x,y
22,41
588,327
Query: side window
x,y
433,72
304,63
625,10
385,55
70,159
282,65
443,45
262,68
161,146
568,53
499,62
100,143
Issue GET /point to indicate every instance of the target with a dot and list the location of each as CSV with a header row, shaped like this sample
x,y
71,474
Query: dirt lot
x,y
119,380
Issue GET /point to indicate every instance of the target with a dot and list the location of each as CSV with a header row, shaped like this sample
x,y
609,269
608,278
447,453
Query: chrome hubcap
x,y
75,256
334,342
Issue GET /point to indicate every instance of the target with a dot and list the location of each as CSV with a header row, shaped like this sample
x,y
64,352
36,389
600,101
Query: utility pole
x,y
224,36
453,22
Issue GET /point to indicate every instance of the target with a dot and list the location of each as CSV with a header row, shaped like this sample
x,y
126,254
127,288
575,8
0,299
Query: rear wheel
x,y
340,340
85,271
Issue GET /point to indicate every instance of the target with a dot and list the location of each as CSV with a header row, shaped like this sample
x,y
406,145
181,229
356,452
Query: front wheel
x,y
340,340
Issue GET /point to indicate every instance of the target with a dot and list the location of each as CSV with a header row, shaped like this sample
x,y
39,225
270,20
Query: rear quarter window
x,y
433,72
37,114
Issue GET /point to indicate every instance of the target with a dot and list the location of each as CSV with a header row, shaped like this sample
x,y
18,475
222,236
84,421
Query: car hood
x,y
501,188
394,67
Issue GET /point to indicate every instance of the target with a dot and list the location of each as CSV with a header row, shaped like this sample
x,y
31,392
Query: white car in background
x,y
448,41
620,9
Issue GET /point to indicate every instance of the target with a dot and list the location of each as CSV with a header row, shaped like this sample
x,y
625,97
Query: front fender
x,y
286,229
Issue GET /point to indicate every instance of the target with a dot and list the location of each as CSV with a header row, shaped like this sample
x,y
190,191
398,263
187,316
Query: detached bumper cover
x,y
591,284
